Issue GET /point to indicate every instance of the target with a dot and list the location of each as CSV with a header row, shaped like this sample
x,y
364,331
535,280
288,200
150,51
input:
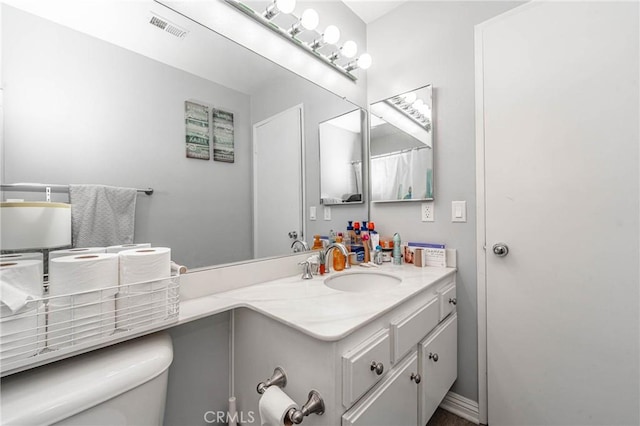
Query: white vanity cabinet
x,y
378,374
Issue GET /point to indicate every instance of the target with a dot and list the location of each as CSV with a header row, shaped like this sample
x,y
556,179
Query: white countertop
x,y
313,308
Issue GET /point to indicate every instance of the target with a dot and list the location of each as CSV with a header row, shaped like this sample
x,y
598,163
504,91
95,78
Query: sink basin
x,y
362,281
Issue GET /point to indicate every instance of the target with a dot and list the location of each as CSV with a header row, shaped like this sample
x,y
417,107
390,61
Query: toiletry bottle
x,y
357,238
317,244
397,253
365,231
373,235
377,258
339,259
332,236
347,237
367,250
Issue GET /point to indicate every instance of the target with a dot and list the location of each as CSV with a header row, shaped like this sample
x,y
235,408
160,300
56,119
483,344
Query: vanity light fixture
x,y
284,6
309,22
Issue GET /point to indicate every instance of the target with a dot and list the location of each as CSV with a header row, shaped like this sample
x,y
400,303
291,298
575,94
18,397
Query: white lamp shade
x,y
310,19
349,49
331,34
34,225
286,6
364,61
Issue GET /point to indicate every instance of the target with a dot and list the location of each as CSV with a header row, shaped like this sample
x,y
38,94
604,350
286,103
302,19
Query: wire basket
x,y
49,327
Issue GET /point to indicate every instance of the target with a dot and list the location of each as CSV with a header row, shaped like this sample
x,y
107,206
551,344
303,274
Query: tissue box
x,y
425,256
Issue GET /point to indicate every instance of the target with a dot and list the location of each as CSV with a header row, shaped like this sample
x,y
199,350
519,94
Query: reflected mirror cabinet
x,y
401,147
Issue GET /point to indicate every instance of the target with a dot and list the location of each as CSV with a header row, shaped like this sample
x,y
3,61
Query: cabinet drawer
x,y
358,374
448,300
438,365
406,332
394,401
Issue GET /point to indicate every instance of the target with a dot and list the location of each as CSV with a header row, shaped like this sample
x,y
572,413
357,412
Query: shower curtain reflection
x,y
402,175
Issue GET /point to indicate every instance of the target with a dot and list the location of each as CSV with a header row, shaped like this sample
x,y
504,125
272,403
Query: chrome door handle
x,y
500,249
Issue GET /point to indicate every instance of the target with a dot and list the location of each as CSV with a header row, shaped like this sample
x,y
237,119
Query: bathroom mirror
x,y
401,147
95,93
341,147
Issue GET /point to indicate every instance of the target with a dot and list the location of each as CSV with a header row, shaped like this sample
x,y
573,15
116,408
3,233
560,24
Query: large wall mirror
x,y
90,102
401,147
341,147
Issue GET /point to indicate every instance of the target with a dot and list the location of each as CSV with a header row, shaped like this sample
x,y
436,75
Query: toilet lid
x,y
53,392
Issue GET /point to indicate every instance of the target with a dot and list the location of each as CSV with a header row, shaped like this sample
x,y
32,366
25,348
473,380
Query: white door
x,y
278,182
559,118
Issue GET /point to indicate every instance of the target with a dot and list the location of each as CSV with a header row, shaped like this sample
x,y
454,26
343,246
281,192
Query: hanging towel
x,y
102,215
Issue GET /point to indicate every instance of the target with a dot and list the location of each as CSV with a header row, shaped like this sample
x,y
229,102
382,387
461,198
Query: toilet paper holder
x,y
278,378
314,404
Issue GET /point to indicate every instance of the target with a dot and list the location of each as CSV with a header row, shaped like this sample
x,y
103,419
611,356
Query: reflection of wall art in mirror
x,y
196,120
341,159
401,147
223,149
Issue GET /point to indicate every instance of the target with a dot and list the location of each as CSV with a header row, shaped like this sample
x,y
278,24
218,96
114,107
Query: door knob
x,y
416,378
500,249
378,367
433,356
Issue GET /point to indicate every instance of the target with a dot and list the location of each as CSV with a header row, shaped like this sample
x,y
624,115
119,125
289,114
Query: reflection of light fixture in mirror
x,y
309,22
414,108
284,6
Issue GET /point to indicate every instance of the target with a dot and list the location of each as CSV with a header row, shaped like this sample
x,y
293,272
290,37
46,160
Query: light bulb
x,y
364,61
310,19
409,97
331,34
349,49
286,6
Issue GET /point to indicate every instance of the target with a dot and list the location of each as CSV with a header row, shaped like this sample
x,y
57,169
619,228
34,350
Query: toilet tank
x,y
124,384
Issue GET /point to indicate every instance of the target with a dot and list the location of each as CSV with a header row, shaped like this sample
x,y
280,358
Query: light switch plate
x,y
458,211
312,213
327,213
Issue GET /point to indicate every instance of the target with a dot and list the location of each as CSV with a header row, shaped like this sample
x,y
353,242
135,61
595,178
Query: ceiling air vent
x,y
167,26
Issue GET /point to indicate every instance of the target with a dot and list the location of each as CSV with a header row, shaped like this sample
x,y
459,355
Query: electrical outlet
x,y
427,212
327,213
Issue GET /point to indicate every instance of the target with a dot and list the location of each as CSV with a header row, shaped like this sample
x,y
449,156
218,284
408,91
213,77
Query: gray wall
x,y
433,42
80,110
199,374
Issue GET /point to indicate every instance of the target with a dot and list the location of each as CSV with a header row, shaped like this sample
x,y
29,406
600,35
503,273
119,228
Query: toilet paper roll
x,y
75,324
273,407
73,252
146,264
123,247
77,274
24,256
21,334
20,281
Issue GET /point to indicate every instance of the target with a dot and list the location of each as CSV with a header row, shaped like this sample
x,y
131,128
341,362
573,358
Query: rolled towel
x,y
20,282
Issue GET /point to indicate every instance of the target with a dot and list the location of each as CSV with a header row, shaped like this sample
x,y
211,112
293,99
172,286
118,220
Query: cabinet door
x,y
394,401
438,366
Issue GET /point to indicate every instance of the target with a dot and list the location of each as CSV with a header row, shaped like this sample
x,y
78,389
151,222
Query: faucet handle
x,y
306,270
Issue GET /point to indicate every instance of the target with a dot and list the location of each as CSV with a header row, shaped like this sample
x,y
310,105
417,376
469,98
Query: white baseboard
x,y
461,407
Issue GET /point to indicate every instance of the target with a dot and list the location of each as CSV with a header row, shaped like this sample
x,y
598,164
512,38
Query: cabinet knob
x,y
378,367
433,356
453,301
416,378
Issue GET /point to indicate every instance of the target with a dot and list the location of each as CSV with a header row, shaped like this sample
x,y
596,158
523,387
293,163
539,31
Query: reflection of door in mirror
x,y
401,147
277,190
341,159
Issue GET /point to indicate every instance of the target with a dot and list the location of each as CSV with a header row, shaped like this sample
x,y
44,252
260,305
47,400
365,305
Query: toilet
x,y
124,384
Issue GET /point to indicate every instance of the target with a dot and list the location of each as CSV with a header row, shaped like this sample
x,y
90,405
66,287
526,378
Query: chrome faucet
x,y
296,242
342,248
